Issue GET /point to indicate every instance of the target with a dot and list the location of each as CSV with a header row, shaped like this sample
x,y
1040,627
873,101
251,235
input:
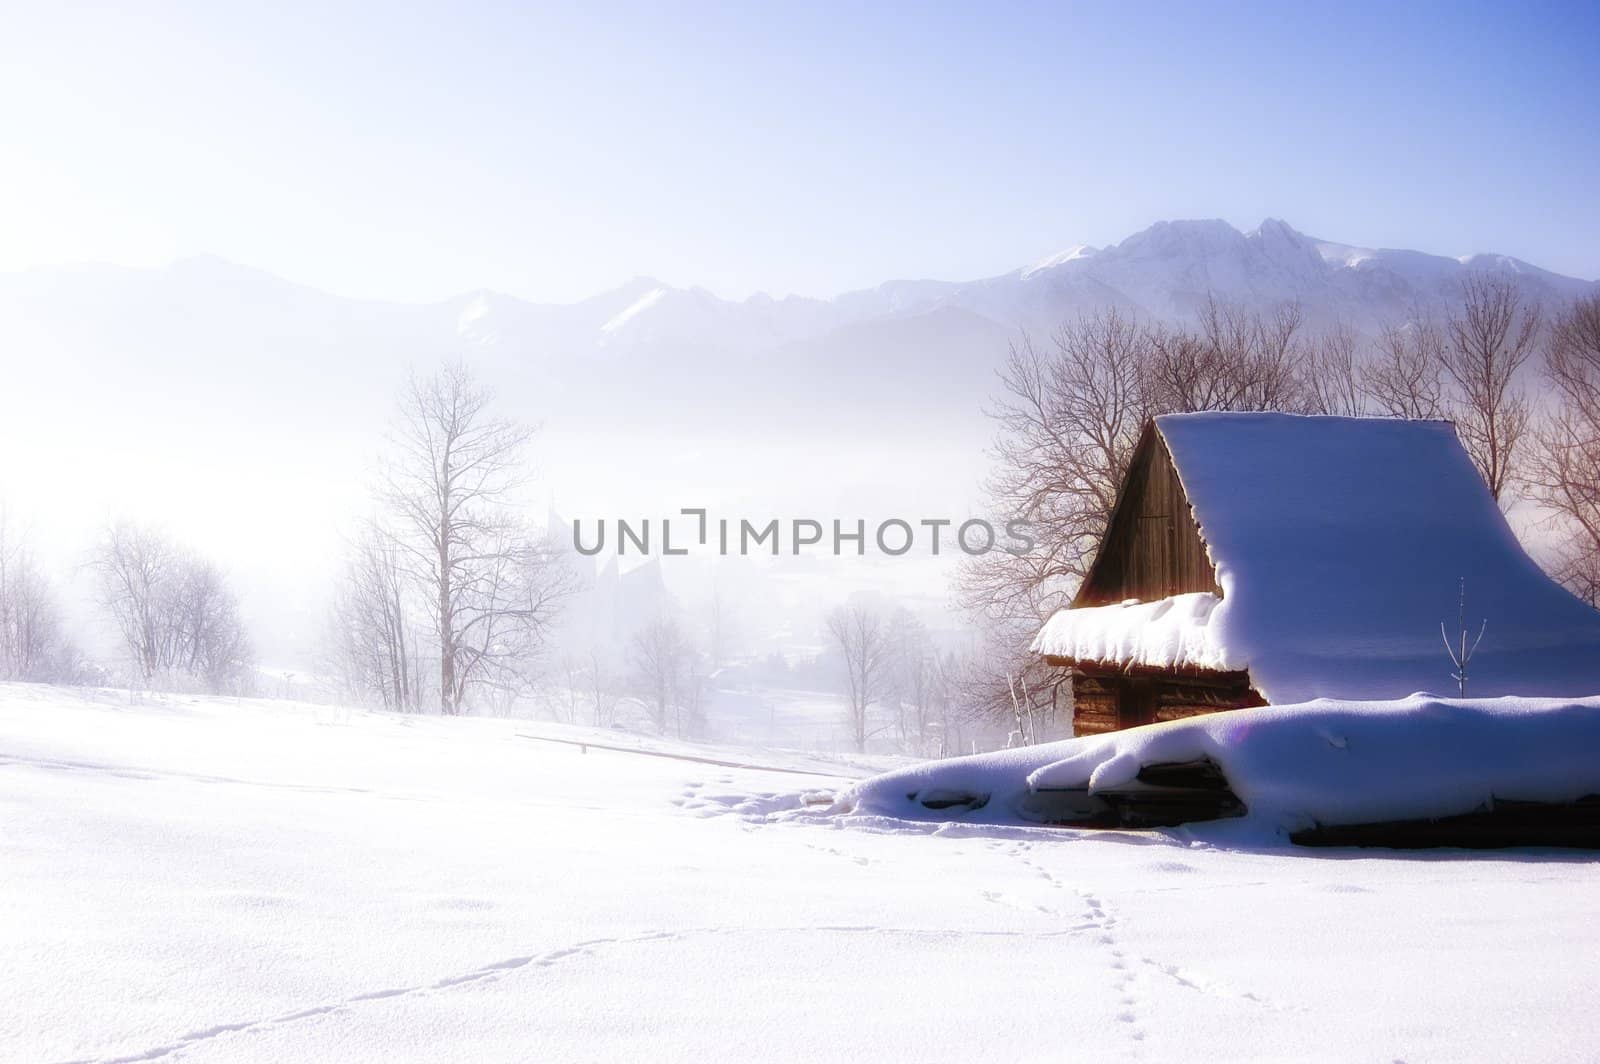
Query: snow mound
x,y
1295,767
1172,633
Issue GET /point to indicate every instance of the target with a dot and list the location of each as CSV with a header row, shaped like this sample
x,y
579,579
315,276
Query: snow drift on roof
x,y
1340,545
1293,766
1172,633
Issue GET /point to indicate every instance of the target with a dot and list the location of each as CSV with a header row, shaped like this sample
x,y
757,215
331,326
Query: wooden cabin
x,y
1152,549
1256,558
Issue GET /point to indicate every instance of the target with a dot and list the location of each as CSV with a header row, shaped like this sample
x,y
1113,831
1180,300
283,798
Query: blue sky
x,y
412,151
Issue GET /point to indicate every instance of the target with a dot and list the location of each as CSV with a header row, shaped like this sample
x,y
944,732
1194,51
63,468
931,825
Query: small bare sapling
x,y
1460,653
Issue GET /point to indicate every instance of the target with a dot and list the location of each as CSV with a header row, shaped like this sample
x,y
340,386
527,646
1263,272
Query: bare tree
x,y
32,645
1489,339
1071,415
858,631
602,686
1275,363
1564,469
1404,379
913,682
1333,381
211,643
1238,360
1000,680
692,697
136,568
720,616
949,713
173,609
569,683
374,640
1069,418
659,656
492,588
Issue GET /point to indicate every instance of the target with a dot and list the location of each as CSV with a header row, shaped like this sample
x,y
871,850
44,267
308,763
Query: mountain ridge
x,y
1183,256
913,346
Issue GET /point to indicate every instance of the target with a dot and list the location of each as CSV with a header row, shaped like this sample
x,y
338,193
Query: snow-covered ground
x,y
199,880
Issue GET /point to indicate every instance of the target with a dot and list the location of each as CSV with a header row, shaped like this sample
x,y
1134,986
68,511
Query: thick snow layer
x,y
198,880
1170,633
1340,545
1297,766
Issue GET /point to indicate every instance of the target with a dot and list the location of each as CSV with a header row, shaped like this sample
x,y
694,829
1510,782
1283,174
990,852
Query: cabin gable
x,y
1152,547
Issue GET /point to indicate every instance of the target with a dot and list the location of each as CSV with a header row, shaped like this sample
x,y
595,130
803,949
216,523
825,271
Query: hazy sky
x,y
412,151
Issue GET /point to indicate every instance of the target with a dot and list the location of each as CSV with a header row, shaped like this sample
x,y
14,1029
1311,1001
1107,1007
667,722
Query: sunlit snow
x,y
251,881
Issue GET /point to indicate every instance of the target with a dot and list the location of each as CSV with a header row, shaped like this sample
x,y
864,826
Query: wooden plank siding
x,y
1109,699
1152,547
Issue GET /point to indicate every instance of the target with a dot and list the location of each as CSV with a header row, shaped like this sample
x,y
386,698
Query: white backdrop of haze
x,y
244,412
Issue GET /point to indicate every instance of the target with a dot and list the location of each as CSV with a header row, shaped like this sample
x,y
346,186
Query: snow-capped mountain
x,y
1170,269
1164,272
916,348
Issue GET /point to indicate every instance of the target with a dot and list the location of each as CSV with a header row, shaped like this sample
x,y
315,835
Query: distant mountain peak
x,y
1167,271
1187,236
1277,227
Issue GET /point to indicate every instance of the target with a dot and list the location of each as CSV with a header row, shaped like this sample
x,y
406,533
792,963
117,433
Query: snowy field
x,y
263,881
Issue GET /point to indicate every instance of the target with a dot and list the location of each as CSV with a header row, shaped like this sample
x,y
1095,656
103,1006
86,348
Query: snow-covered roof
x,y
1340,545
1171,633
